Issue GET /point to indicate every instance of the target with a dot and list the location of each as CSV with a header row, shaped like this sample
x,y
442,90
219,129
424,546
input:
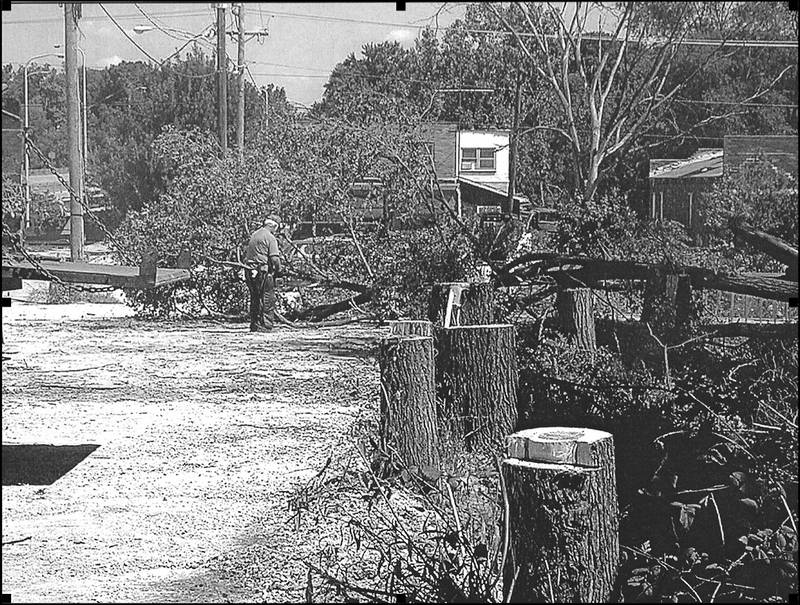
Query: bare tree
x,y
623,80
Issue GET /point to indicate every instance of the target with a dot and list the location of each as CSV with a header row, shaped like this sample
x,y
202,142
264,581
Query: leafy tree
x,y
761,195
129,104
210,205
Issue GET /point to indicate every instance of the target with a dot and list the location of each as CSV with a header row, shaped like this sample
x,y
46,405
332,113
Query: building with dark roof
x,y
677,186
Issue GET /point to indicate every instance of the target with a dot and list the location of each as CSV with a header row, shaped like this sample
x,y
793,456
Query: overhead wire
x,y
120,28
598,36
173,32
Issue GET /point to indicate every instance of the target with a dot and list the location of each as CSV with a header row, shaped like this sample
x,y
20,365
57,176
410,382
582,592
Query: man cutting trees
x,y
263,256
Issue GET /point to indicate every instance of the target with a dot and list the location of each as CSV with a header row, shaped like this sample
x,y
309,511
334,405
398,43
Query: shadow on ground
x,y
41,464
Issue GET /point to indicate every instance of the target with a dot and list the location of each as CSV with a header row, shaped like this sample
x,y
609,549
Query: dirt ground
x,y
197,434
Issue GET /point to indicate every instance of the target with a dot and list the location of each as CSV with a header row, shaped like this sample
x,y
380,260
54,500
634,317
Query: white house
x,y
472,167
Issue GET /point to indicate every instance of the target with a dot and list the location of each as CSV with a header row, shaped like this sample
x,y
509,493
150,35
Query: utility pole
x,y
72,12
222,80
240,67
512,169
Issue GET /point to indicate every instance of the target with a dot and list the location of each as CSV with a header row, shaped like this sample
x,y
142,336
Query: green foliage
x,y
210,206
706,464
607,227
129,104
761,194
405,264
13,203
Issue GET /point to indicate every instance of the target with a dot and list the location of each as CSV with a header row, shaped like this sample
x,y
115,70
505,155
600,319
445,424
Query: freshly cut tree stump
x,y
408,399
477,382
477,304
576,316
411,327
562,516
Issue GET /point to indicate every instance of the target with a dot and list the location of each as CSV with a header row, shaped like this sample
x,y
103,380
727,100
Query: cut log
x,y
784,330
753,284
408,399
768,244
587,272
562,516
477,382
411,327
322,311
576,316
477,304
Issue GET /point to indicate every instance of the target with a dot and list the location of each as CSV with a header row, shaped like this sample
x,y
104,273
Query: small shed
x,y
677,186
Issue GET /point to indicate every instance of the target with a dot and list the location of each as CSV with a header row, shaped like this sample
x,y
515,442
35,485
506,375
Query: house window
x,y
477,160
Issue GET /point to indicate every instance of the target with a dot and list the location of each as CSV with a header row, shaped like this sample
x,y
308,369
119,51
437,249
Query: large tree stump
x,y
576,316
411,327
477,304
408,399
477,382
563,522
667,304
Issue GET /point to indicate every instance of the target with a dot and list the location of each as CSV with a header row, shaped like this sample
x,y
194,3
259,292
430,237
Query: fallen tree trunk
x,y
477,379
408,400
323,311
766,243
753,284
783,330
587,272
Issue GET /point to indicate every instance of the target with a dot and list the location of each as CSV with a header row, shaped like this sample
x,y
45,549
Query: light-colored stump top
x,y
480,326
556,445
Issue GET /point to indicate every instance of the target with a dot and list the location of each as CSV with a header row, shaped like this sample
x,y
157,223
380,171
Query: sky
x,y
305,40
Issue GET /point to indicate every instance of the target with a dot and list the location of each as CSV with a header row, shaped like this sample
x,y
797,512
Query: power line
x,y
596,37
348,77
119,17
120,28
747,43
290,66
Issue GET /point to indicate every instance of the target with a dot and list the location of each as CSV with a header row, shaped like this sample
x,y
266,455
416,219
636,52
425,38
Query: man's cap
x,y
273,218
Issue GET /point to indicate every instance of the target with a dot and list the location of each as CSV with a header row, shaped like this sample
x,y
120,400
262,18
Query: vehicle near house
x,y
544,219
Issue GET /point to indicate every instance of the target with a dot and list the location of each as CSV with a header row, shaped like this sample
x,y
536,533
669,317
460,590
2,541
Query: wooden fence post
x,y
477,304
562,516
477,379
576,316
411,327
408,399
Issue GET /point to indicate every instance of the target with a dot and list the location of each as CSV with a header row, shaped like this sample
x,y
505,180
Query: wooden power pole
x,y
72,12
240,69
222,80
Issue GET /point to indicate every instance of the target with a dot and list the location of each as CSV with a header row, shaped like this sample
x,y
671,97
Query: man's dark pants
x,y
262,300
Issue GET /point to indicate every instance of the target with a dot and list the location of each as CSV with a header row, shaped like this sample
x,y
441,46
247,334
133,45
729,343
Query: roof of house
x,y
706,163
497,189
